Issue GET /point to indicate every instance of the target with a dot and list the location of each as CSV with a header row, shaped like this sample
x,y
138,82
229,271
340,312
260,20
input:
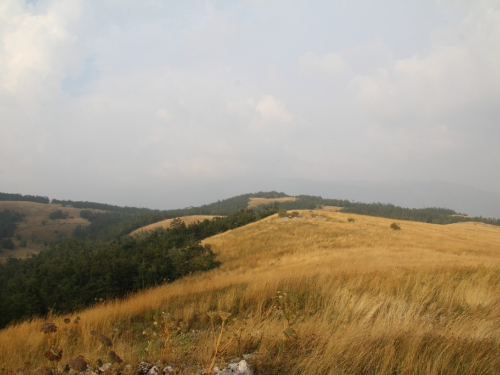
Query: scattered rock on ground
x,y
240,368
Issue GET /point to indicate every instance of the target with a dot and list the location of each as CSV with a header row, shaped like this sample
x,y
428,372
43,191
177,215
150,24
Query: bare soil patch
x,y
254,202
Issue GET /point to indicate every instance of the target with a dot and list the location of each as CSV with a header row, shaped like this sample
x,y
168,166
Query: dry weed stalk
x,y
217,349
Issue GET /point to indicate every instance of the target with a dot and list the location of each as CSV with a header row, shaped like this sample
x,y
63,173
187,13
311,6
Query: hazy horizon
x,y
167,104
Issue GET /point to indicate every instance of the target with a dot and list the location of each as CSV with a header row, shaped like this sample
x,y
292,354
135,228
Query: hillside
x,y
323,293
37,228
166,223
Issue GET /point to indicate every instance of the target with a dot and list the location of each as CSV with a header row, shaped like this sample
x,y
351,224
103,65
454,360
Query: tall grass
x,y
314,295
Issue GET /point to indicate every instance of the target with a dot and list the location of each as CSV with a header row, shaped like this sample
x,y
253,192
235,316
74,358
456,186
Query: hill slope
x,y
36,226
315,294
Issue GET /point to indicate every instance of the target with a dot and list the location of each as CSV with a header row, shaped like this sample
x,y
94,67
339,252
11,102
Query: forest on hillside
x,y
79,272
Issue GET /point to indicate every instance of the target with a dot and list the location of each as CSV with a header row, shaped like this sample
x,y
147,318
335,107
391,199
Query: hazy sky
x,y
149,102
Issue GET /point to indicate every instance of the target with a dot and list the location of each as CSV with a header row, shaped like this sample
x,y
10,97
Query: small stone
x,y
168,370
143,367
154,370
240,368
105,367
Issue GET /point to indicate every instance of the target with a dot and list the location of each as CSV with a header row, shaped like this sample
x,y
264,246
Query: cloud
x,y
35,49
332,64
272,110
162,114
454,82
101,92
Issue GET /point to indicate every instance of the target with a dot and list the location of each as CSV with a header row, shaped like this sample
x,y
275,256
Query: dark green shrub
x,y
6,243
395,226
58,214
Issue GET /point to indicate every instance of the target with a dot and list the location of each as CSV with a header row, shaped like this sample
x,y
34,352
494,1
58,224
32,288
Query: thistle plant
x,y
283,305
53,353
217,349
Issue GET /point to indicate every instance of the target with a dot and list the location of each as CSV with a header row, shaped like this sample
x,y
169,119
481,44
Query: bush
x,y
350,220
6,243
58,214
395,226
23,243
283,213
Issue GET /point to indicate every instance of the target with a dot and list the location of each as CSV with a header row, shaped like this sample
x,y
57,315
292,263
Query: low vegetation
x,y
319,294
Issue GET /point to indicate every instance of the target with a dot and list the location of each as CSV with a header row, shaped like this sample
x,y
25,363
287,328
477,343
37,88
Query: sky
x,y
168,104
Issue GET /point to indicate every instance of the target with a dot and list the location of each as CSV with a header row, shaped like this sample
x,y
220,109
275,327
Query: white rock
x,y
105,367
240,368
168,370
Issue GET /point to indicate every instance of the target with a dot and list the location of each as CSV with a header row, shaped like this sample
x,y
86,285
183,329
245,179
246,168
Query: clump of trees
x,y
8,225
58,214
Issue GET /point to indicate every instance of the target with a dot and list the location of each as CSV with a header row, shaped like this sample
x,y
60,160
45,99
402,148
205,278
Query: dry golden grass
x,y
332,208
313,295
166,223
254,202
36,233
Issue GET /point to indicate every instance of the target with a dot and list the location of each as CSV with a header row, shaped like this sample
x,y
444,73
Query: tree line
x,y
26,198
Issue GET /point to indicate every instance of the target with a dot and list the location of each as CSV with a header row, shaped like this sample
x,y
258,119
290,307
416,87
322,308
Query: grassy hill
x,y
166,223
322,293
37,228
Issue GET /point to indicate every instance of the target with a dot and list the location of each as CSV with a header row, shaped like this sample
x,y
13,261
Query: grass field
x,y
254,202
166,223
324,293
37,228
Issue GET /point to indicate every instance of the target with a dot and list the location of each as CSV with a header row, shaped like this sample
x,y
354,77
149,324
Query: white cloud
x,y
37,49
332,64
273,110
454,84
162,114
